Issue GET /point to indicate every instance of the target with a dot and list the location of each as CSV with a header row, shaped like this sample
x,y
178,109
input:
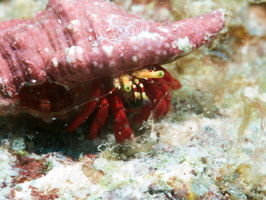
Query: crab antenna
x,y
149,74
143,93
136,93
116,83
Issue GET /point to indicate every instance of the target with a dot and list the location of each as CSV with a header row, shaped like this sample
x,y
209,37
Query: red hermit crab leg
x,y
88,109
99,120
122,129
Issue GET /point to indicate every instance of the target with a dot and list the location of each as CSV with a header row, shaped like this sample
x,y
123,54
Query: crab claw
x,y
159,95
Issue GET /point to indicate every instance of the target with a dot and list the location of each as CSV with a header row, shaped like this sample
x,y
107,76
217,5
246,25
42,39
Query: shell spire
x,y
186,35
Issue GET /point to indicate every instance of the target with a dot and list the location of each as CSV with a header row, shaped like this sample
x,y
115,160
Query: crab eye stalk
x,y
149,74
127,83
127,88
160,74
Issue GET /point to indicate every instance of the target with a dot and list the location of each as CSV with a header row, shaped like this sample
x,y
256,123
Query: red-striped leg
x,y
156,104
122,129
102,114
88,109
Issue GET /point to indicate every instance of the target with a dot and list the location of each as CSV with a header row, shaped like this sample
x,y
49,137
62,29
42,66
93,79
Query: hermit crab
x,y
92,51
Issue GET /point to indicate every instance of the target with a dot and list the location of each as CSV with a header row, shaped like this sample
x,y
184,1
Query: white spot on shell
x,y
149,48
30,26
183,44
75,54
94,43
163,30
29,70
158,52
147,35
66,50
55,62
95,51
74,26
33,81
135,58
108,50
135,48
166,45
95,16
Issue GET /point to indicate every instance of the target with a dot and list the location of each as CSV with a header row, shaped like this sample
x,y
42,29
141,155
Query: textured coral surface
x,y
210,146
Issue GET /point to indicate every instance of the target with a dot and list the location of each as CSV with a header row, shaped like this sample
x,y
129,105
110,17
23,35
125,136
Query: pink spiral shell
x,y
75,41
